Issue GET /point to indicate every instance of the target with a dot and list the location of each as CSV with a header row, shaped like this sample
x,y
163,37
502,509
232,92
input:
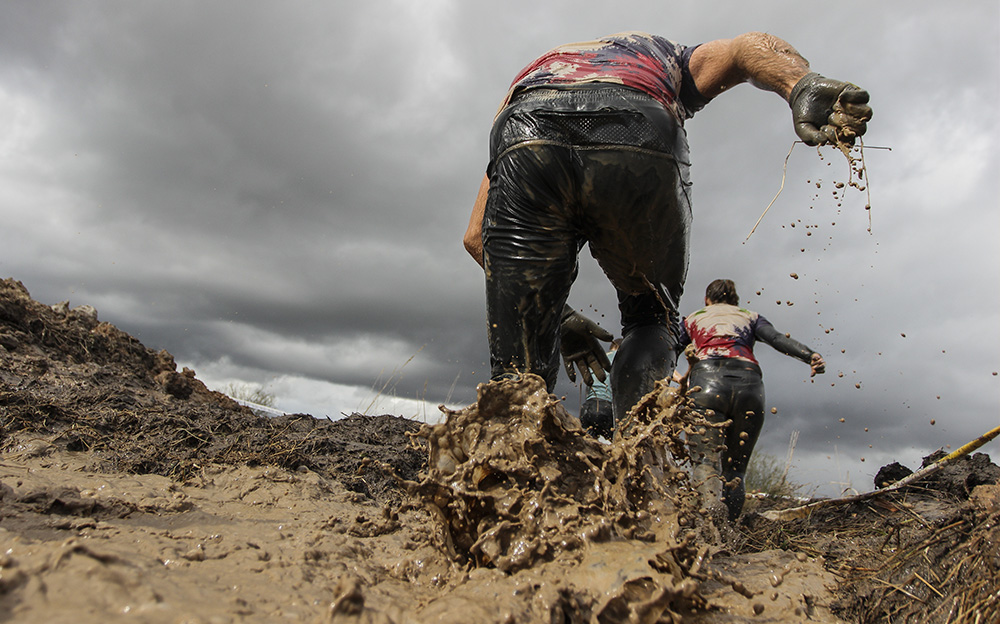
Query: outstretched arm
x,y
764,60
766,332
473,238
823,110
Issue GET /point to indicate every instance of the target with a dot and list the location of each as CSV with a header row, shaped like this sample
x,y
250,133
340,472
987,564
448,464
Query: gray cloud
x,y
280,193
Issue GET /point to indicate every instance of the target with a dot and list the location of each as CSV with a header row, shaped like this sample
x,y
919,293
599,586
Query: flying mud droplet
x,y
774,410
793,275
932,422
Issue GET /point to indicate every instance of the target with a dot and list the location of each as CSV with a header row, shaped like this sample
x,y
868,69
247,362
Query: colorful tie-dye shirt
x,y
638,60
723,331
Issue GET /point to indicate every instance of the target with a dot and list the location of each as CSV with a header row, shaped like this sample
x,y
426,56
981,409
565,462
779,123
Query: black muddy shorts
x,y
731,389
607,166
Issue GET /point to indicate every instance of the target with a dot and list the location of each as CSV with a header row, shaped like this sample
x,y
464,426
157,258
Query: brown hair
x,y
722,291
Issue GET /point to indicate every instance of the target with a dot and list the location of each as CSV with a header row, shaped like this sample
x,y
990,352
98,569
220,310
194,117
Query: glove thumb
x,y
810,134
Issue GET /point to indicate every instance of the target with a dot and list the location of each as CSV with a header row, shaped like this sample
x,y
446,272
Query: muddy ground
x,y
130,492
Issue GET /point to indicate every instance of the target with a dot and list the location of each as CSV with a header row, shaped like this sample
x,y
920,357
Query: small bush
x,y
766,475
249,392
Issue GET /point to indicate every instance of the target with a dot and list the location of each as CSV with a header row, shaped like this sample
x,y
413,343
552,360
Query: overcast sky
x,y
276,194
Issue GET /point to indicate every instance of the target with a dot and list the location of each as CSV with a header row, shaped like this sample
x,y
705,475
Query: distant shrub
x,y
766,474
252,393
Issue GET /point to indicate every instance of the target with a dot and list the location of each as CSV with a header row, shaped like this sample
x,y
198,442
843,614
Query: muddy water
x,y
520,518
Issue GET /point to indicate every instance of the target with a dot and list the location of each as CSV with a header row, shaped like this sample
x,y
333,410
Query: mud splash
x,y
516,484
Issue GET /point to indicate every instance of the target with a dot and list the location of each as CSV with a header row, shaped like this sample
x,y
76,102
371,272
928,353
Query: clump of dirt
x,y
92,387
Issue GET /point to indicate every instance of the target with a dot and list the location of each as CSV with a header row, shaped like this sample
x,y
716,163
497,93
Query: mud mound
x,y
128,488
85,385
929,552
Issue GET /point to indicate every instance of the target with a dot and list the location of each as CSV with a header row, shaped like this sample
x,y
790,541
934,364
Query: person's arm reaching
x,y
765,332
473,238
823,110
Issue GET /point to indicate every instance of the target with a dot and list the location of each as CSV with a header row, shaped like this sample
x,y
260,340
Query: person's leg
x,y
748,420
596,418
637,217
530,256
647,354
708,449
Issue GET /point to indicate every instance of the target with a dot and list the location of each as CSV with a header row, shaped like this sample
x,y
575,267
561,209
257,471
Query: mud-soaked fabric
x,y
646,356
603,165
645,62
729,389
601,389
597,417
722,330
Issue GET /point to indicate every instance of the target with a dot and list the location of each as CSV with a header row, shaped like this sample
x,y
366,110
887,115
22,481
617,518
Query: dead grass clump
x,y
946,571
920,555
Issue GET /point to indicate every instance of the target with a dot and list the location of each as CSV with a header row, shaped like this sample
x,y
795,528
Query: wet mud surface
x,y
130,492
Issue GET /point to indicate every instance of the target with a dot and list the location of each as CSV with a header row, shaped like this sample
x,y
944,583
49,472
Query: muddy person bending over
x,y
589,146
726,384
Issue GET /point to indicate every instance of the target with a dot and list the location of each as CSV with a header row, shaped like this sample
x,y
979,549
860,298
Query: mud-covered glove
x,y
828,111
817,365
580,346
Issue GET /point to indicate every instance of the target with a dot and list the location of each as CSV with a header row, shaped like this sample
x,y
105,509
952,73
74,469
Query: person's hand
x,y
817,365
580,347
828,111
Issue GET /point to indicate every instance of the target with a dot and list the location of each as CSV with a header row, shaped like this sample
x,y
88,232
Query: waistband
x,y
588,91
726,365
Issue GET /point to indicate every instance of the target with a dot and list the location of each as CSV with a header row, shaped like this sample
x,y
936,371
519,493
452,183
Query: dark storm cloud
x,y
279,193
